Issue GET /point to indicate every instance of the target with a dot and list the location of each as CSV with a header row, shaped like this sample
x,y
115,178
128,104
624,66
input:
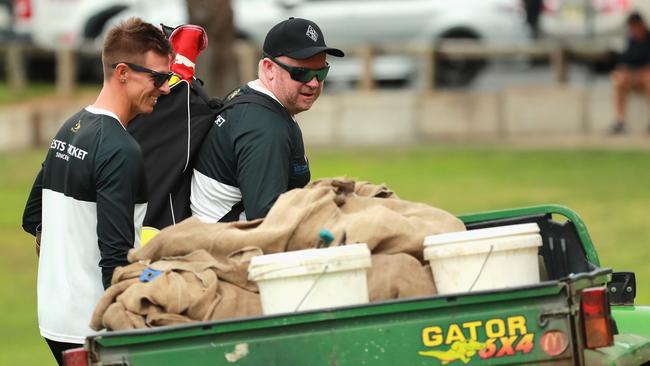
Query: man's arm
x,y
263,163
116,191
32,215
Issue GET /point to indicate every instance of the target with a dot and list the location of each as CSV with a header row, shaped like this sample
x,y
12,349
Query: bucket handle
x,y
311,288
482,268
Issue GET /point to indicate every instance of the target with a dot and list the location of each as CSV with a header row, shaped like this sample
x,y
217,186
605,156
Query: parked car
x,y
21,18
580,20
349,24
5,19
71,23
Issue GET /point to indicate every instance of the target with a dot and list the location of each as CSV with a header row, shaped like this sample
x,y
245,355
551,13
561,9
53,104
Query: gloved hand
x,y
188,41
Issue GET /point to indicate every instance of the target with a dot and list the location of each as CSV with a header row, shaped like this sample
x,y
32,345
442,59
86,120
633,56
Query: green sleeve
x,y
116,170
32,216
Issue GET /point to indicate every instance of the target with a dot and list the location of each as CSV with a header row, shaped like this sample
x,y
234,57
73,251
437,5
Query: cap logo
x,y
311,33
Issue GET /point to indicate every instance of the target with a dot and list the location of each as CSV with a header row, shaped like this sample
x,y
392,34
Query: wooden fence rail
x,y
559,54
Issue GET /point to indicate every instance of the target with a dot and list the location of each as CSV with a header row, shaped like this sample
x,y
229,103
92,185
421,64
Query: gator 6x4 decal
x,y
486,339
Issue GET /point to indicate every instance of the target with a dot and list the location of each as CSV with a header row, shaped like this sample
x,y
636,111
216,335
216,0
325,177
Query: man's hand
x,y
38,244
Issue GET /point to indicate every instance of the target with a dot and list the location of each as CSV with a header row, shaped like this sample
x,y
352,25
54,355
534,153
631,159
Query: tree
x,y
217,65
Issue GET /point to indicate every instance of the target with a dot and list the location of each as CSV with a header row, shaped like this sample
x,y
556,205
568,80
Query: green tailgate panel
x,y
493,328
632,319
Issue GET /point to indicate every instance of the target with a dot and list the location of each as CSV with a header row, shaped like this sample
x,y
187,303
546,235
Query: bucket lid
x,y
481,234
309,261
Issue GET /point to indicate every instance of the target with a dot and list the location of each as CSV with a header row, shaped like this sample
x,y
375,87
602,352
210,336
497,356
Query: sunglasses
x,y
158,78
302,74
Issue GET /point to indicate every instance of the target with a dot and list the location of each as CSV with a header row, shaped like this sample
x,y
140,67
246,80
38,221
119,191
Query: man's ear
x,y
267,68
120,72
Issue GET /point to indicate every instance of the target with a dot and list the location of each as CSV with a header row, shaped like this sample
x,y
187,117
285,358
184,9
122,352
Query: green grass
x,y
37,91
609,189
21,343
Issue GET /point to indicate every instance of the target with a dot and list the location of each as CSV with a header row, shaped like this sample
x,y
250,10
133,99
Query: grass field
x,y
36,92
609,189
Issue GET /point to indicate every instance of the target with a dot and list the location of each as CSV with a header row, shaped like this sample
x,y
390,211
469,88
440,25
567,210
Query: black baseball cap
x,y
297,38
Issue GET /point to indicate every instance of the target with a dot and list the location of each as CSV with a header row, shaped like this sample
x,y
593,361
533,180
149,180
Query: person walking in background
x,y
633,71
89,199
254,151
533,10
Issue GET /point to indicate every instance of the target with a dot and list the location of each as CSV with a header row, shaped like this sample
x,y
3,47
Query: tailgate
x,y
508,327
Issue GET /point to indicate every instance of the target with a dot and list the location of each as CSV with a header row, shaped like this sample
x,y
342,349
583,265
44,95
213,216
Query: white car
x,y
70,23
350,23
577,20
346,24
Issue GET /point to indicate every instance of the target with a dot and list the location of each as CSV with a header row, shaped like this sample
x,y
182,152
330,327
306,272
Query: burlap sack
x,y
107,300
204,266
187,288
117,318
295,220
398,276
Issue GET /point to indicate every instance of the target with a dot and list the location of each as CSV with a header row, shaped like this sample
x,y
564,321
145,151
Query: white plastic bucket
x,y
482,259
311,279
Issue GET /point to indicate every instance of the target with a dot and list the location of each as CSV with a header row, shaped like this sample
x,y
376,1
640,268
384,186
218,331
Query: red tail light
x,y
75,357
23,9
596,318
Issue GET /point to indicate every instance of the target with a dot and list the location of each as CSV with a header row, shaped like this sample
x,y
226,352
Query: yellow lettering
x,y
495,328
471,326
517,324
454,334
432,336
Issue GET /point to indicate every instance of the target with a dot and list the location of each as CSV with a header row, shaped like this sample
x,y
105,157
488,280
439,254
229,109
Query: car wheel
x,y
458,73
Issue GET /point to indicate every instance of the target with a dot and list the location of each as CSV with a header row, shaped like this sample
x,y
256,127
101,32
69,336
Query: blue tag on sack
x,y
149,275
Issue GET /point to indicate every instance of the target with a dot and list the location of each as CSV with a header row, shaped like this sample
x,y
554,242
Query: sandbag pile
x,y
202,268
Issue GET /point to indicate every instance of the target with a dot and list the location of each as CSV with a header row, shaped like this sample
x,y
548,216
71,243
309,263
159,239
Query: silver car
x,y
352,23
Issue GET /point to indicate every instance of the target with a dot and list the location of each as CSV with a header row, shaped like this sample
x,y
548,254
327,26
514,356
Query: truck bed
x,y
413,332
538,324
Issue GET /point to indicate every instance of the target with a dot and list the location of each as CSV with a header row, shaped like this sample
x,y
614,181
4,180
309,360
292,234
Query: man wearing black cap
x,y
255,152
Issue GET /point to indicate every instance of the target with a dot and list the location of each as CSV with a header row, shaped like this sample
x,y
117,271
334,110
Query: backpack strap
x,y
256,98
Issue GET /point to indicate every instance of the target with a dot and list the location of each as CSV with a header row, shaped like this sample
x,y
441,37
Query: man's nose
x,y
164,88
313,83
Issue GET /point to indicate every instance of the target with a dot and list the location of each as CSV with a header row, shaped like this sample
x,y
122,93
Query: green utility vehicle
x,y
581,314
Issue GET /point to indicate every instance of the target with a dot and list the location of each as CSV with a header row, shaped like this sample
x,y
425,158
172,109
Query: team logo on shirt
x,y
220,120
311,33
76,127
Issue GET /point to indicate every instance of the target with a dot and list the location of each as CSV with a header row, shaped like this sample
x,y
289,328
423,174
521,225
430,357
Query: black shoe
x,y
618,128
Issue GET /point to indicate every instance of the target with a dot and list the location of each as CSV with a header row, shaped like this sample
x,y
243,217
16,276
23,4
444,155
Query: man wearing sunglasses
x,y
254,152
89,199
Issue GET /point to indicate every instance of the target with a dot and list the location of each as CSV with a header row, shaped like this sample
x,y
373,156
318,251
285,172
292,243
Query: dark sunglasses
x,y
302,74
159,78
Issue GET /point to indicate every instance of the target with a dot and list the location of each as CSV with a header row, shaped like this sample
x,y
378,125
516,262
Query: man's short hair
x,y
130,40
635,18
